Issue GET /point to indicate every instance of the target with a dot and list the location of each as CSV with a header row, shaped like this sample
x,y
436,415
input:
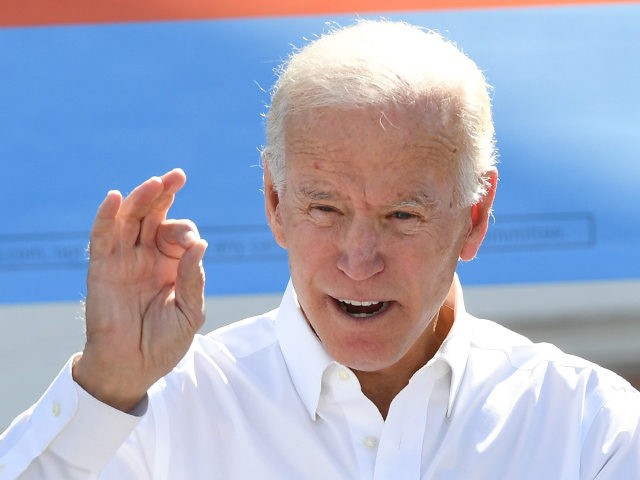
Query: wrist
x,y
108,385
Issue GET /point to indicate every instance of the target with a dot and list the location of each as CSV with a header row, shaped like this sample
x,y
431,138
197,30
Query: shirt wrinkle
x,y
263,399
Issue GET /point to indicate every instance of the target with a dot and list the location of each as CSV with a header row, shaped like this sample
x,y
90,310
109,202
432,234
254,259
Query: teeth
x,y
357,303
362,309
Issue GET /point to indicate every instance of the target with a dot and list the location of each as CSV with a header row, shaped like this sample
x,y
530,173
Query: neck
x,y
382,386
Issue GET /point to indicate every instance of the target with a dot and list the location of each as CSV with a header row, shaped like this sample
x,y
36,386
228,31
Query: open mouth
x,y
362,309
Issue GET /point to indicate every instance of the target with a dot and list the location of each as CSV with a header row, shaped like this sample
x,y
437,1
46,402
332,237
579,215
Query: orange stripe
x,y
51,12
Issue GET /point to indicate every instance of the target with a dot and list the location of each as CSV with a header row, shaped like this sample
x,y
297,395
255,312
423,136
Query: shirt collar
x,y
303,352
307,359
455,348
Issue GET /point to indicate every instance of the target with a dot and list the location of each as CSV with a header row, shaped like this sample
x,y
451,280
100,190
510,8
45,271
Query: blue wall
x,y
84,109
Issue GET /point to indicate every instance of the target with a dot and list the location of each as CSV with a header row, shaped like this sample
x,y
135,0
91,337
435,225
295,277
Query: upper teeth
x,y
358,303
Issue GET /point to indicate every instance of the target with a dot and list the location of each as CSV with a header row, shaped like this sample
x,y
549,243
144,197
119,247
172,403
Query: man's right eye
x,y
323,214
324,208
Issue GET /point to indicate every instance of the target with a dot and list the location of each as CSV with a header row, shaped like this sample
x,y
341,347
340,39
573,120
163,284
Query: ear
x,y
480,213
272,206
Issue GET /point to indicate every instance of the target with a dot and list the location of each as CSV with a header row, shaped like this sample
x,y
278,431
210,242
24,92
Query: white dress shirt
x,y
262,399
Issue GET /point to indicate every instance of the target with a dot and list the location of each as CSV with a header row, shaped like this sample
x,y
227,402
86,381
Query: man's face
x,y
370,222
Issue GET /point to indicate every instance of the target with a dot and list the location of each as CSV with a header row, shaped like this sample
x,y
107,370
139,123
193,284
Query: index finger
x,y
135,208
172,182
102,233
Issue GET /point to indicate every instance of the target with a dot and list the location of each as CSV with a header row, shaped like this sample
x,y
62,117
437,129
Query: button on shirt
x,y
262,399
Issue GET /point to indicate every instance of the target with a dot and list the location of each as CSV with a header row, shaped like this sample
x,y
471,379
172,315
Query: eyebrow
x,y
419,200
313,193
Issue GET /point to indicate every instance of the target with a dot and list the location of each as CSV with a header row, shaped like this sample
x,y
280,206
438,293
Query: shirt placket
x,y
401,444
363,420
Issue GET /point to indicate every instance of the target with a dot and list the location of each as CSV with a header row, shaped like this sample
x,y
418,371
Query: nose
x,y
360,257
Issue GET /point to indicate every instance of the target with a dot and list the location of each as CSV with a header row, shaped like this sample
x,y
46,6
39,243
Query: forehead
x,y
427,115
372,148
421,126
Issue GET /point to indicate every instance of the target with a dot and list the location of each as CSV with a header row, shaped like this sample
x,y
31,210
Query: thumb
x,y
174,237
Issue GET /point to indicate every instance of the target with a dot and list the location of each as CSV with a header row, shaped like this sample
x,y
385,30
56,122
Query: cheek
x,y
306,242
312,267
423,259
313,247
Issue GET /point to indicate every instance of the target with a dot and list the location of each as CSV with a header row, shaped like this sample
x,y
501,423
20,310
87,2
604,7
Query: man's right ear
x,y
272,206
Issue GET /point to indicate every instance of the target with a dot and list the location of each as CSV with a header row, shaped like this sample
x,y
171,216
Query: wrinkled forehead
x,y
372,145
421,122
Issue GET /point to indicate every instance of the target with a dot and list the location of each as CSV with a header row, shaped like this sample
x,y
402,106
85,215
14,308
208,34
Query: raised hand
x,y
145,292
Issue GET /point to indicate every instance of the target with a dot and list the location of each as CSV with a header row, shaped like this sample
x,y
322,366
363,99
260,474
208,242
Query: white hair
x,y
387,63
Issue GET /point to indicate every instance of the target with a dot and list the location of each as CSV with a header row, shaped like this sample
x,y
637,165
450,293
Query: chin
x,y
363,358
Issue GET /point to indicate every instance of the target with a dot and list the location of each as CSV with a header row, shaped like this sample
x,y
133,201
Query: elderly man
x,y
379,177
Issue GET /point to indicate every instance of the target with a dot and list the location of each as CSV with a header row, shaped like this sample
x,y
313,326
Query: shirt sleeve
x,y
611,447
66,434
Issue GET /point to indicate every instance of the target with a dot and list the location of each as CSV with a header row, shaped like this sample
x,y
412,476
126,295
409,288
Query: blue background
x,y
84,109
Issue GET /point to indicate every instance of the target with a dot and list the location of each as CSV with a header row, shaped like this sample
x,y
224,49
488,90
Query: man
x,y
379,176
